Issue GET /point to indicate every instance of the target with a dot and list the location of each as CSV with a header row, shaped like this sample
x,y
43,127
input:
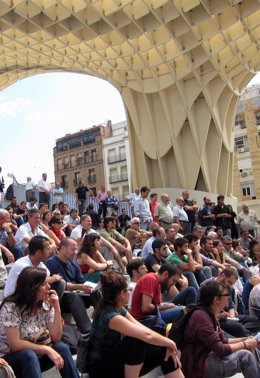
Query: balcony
x,y
246,173
116,158
118,178
242,149
92,179
240,125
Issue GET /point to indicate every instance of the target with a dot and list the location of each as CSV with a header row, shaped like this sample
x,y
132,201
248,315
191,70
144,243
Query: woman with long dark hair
x,y
31,327
90,260
120,346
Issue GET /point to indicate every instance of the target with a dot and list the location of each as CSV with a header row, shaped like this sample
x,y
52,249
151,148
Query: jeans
x,y
245,361
186,297
145,225
26,364
171,315
192,280
44,197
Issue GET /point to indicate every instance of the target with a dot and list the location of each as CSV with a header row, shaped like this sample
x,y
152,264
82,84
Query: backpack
x,y
176,331
9,192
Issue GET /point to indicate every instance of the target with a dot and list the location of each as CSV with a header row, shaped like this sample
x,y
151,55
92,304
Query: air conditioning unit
x,y
241,149
243,174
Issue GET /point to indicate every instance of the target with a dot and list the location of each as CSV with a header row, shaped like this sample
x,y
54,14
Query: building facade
x,y
247,149
117,164
79,157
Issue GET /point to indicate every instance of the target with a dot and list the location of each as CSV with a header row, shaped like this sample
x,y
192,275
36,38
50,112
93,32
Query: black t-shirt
x,y
82,192
152,260
191,214
222,222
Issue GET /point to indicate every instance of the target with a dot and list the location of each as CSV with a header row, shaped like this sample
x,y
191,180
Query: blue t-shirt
x,y
102,338
70,271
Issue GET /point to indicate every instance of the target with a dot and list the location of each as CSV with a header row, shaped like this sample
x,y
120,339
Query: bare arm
x,y
16,344
55,328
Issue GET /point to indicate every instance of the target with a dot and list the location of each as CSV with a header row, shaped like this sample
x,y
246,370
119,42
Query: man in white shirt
x,y
58,193
142,209
44,190
247,220
180,215
29,189
30,229
39,251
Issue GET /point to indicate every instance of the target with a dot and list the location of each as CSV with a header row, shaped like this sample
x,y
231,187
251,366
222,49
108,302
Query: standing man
x,y
180,216
142,209
81,194
163,212
2,186
101,196
190,209
206,216
29,189
247,220
44,190
223,215
58,193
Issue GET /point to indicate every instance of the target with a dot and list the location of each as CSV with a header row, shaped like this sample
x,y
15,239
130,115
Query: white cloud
x,y
42,116
11,108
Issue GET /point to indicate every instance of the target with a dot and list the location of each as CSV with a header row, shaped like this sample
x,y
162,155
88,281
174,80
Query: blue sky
x,y
34,112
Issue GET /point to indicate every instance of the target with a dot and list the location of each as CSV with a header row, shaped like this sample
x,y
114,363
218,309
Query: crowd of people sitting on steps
x,y
142,272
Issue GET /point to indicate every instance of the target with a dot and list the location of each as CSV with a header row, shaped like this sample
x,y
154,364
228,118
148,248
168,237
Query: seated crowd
x,y
175,256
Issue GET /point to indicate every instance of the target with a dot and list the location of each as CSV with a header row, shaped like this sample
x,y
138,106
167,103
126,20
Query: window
x,y
257,116
241,144
73,161
240,121
62,146
246,192
91,175
64,182
248,189
77,178
93,155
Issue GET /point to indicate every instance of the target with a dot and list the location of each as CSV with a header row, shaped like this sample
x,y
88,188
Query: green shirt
x,y
174,258
115,235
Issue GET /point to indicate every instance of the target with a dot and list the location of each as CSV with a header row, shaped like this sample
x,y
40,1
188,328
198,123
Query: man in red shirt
x,y
147,295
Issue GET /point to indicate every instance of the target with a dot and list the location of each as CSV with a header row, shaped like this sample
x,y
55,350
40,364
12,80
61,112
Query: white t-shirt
x,y
77,232
16,269
25,231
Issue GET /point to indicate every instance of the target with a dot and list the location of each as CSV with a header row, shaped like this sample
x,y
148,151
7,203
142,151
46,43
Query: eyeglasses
x,y
59,222
136,222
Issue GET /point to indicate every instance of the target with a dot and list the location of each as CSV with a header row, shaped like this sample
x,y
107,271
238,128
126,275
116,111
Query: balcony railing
x,y
242,149
116,158
118,178
78,163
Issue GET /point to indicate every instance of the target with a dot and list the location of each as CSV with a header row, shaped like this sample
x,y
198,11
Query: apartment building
x,y
247,149
79,157
117,164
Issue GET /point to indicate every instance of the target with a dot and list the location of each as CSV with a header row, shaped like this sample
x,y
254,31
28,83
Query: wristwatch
x,y
9,232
